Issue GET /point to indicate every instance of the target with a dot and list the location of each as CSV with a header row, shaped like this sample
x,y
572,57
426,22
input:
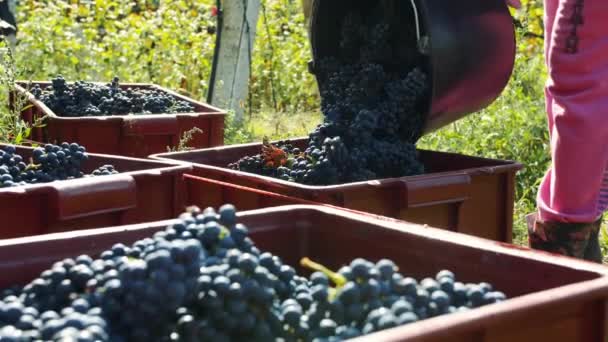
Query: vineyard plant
x,y
171,43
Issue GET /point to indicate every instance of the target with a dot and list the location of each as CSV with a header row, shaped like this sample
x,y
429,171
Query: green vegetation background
x,y
171,45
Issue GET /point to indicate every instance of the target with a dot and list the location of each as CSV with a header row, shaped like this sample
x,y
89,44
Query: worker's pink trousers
x,y
575,189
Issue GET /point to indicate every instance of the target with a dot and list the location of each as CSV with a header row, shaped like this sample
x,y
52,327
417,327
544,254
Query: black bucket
x,y
470,45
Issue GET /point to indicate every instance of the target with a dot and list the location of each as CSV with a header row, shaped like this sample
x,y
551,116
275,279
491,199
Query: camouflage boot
x,y
593,252
578,240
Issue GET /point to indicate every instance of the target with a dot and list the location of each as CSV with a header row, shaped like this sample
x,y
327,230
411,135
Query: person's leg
x,y
577,59
578,70
550,10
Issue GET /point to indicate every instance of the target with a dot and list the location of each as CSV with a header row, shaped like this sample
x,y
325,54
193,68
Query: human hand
x,y
514,3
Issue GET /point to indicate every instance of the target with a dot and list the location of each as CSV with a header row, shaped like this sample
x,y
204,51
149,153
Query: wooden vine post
x,y
229,87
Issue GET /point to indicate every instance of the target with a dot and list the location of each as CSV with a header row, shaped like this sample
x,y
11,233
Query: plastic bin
x,y
144,191
551,298
460,193
127,135
205,192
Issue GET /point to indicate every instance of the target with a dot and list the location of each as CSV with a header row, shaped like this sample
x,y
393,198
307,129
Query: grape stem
x,y
337,278
32,166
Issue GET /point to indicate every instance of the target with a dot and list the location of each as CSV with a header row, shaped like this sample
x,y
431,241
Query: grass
x,y
280,126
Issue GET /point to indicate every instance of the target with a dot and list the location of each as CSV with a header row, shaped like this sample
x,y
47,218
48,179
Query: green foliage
x,y
529,19
236,132
280,78
13,129
278,126
185,139
134,40
168,44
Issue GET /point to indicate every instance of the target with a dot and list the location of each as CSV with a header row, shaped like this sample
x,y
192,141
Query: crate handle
x,y
159,124
417,192
92,196
452,190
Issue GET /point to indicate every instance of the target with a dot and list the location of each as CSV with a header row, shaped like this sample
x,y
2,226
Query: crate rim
x,y
508,162
419,230
277,195
214,111
165,167
504,165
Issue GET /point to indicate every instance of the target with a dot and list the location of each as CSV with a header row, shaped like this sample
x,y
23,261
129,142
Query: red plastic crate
x,y
551,298
128,135
461,193
144,191
206,192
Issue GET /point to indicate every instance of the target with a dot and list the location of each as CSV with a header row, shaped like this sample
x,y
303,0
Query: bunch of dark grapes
x,y
58,162
104,170
12,167
260,165
377,47
369,297
89,99
350,33
401,94
47,164
373,105
146,286
203,279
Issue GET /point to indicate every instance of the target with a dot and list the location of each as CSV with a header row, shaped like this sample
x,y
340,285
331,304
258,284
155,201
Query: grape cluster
x,y
373,106
370,297
47,164
259,163
203,279
89,99
104,170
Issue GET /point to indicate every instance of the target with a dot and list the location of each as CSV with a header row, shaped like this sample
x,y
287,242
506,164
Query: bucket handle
x,y
416,19
422,41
